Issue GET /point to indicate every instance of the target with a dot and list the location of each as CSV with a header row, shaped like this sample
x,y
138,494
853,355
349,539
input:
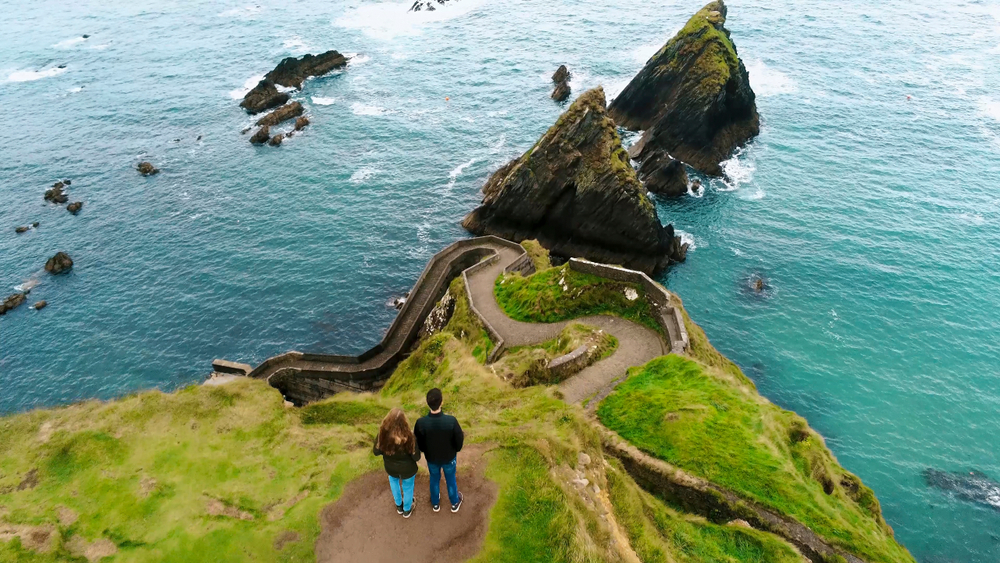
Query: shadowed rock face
x,y
59,263
284,113
264,96
576,192
290,73
693,97
972,486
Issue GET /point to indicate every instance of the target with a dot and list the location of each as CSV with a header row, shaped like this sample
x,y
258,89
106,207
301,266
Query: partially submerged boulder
x,y
576,192
12,302
261,136
55,194
75,207
262,97
426,5
291,72
301,123
41,305
147,169
284,113
59,263
276,140
561,79
693,98
20,230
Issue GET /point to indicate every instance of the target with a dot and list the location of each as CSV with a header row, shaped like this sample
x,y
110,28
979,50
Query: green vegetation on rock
x,y
715,426
538,254
560,293
523,366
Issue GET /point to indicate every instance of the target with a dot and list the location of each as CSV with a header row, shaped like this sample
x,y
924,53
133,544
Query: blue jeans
x,y
449,477
402,491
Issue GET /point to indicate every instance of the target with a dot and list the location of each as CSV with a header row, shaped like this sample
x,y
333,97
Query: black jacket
x,y
439,436
402,465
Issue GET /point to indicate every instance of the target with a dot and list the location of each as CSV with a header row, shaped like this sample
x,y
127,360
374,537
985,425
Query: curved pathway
x,y
637,344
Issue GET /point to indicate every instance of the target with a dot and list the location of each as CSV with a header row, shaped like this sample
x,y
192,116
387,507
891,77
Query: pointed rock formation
x,y
561,80
576,192
693,98
59,263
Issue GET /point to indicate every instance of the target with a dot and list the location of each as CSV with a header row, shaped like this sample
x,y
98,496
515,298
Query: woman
x,y
398,447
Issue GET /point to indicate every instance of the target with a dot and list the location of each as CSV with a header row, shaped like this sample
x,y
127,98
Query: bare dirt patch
x,y
92,551
35,538
218,508
288,536
363,525
30,480
67,516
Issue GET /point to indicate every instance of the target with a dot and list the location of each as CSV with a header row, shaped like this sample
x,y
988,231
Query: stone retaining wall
x,y
569,364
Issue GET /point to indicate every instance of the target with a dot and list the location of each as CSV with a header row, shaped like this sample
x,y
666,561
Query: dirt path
x,y
362,526
636,344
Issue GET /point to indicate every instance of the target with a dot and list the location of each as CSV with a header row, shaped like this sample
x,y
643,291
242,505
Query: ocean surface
x,y
870,203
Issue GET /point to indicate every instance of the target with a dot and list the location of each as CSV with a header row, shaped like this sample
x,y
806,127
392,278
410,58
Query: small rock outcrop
x,y
59,263
41,305
261,136
147,169
12,302
75,207
660,173
426,5
264,96
284,113
561,79
693,98
301,123
276,140
576,192
55,194
20,230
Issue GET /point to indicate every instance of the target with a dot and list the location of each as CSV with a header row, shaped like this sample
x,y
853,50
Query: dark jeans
x,y
449,477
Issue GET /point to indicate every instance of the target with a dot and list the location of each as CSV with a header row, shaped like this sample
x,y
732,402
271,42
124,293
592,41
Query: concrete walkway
x,y
637,344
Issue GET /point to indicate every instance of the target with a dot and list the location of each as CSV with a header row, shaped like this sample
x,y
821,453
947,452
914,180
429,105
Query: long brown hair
x,y
395,435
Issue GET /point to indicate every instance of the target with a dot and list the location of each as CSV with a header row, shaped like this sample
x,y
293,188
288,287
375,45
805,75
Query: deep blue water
x,y
874,218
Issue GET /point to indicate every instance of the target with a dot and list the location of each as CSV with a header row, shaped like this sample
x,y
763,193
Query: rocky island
x,y
577,194
692,100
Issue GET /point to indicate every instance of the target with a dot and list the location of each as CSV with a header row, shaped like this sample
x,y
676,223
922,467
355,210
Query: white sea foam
x,y
387,20
642,53
767,81
238,93
686,238
323,101
75,90
737,170
100,47
356,59
67,43
357,108
29,75
457,171
240,12
296,45
989,108
363,173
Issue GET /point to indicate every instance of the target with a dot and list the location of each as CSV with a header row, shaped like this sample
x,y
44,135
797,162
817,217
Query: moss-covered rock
x,y
693,98
576,192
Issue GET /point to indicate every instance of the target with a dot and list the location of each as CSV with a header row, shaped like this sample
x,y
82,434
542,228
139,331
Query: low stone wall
x,y
498,343
669,317
569,364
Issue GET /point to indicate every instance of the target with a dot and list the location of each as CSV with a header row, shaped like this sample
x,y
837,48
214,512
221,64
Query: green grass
x,y
523,366
538,254
715,427
465,325
541,297
660,534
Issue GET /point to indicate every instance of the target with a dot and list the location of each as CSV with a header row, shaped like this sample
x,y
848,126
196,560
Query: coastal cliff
x,y
692,99
576,193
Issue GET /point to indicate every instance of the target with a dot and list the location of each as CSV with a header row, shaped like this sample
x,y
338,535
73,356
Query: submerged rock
x,y
55,194
74,207
301,123
12,302
284,113
972,486
693,98
261,136
20,230
59,263
276,140
147,169
41,305
264,96
562,89
576,192
291,72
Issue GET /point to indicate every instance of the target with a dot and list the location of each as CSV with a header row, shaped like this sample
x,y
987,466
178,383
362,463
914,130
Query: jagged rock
x,y
576,192
291,72
41,305
12,302
35,225
264,96
660,173
59,263
561,92
561,74
284,113
693,98
147,169
301,123
74,207
426,5
439,316
276,140
261,136
55,194
67,182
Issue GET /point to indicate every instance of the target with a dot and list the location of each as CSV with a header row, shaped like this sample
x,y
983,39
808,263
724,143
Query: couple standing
x,y
438,436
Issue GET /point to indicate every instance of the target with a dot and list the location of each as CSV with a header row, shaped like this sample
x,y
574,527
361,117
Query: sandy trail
x,y
363,525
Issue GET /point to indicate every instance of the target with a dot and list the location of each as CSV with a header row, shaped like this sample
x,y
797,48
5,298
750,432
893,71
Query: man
x,y
440,438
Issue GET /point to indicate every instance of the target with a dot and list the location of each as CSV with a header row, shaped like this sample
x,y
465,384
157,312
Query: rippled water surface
x,y
873,217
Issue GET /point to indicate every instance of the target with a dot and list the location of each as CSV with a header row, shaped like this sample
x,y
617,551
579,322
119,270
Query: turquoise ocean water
x,y
874,218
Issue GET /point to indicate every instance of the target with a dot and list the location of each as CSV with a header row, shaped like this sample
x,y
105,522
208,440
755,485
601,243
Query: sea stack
x,y
561,80
290,73
693,100
59,263
576,192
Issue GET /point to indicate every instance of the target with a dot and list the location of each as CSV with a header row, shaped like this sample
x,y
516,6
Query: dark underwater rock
x,y
576,192
147,169
41,305
972,486
12,302
426,5
264,96
693,98
20,230
261,136
284,113
59,263
56,194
